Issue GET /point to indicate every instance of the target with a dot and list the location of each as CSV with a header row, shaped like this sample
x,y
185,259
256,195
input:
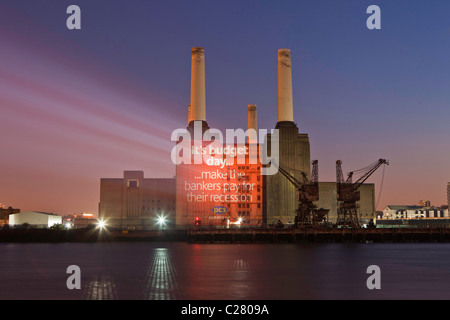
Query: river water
x,y
164,271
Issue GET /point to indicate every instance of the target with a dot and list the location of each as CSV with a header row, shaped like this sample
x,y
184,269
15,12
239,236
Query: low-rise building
x,y
413,212
82,220
35,219
135,201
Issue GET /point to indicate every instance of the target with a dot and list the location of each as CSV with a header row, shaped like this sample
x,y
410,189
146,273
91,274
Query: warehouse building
x,y
136,201
35,219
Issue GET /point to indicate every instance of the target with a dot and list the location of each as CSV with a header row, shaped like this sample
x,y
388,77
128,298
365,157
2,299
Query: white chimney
x,y
198,97
252,124
285,105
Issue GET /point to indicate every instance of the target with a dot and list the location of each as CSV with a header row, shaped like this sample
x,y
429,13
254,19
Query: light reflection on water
x,y
160,281
101,287
164,271
240,285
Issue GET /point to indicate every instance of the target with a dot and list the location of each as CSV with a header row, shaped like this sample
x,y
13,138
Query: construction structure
x,y
328,192
307,213
348,193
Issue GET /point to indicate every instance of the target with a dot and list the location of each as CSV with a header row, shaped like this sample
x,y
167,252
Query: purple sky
x,y
77,106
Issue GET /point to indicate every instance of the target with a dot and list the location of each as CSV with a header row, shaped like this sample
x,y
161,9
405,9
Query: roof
x,y
396,207
50,214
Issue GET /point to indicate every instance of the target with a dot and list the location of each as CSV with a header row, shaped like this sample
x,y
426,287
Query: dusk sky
x,y
80,105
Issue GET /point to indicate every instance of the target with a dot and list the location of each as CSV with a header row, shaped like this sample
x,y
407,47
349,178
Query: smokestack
x,y
198,99
252,123
285,105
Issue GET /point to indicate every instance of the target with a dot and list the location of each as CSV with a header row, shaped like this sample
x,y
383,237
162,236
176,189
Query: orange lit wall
x,y
221,194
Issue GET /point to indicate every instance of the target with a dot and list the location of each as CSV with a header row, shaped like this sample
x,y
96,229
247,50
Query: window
x,y
133,183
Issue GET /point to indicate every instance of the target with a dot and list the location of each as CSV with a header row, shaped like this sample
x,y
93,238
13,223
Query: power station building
x,y
294,151
215,192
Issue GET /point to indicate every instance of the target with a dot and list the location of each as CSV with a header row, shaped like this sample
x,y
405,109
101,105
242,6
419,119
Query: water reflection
x,y
241,264
160,281
239,286
101,288
245,272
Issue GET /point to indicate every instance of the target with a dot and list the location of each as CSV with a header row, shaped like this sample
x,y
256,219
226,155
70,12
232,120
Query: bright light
x,y
239,220
101,224
68,225
161,220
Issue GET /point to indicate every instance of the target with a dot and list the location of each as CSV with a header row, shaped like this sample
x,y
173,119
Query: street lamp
x,y
101,224
161,220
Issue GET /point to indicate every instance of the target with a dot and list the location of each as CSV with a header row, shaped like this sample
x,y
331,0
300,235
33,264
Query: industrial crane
x,y
348,194
307,192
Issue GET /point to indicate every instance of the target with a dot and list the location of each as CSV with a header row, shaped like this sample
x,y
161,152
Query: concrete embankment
x,y
253,235
88,235
320,235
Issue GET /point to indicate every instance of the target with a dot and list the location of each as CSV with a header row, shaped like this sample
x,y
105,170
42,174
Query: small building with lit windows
x,y
413,212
